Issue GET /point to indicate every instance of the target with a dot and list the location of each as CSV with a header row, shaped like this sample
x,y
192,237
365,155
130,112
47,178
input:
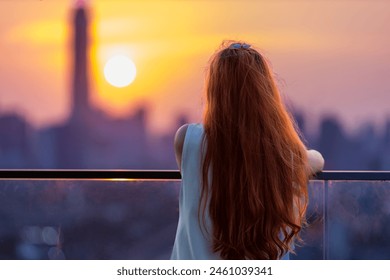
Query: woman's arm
x,y
315,161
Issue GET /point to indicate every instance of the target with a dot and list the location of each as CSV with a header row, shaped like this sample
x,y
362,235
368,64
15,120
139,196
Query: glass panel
x,y
87,219
106,220
312,235
359,220
137,220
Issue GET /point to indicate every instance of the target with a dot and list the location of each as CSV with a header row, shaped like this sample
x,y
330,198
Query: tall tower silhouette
x,y
80,94
73,136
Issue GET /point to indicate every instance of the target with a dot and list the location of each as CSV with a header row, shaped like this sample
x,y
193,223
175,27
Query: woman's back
x,y
191,242
251,167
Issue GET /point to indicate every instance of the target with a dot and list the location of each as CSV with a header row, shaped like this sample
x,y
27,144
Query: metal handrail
x,y
126,174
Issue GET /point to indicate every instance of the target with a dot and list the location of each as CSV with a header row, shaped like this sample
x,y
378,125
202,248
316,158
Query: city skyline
x,y
88,138
329,58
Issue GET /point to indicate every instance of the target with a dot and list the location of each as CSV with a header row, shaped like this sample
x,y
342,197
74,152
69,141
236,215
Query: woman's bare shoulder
x,y
181,134
179,142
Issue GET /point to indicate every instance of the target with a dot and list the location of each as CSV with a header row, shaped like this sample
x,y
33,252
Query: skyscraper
x,y
72,138
80,94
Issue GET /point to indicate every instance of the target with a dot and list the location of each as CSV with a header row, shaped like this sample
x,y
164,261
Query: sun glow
x,y
120,71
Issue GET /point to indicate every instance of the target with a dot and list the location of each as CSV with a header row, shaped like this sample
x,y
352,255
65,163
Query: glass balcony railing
x,y
125,214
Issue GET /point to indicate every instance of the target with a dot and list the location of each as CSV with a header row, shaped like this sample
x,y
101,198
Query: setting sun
x,y
120,71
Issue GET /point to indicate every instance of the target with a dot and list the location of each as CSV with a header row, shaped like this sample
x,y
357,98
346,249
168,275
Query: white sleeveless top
x,y
191,243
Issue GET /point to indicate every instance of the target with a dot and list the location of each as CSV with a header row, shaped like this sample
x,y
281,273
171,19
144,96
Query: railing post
x,y
326,221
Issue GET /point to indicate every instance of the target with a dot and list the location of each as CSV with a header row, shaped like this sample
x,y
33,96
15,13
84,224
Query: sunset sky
x,y
330,57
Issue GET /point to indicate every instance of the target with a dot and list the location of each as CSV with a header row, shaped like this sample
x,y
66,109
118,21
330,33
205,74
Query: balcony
x,y
125,214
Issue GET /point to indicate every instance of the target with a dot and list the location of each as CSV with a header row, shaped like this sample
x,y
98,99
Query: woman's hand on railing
x,y
315,161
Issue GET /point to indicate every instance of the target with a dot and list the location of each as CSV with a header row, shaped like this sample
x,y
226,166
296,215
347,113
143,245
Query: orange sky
x,y
330,56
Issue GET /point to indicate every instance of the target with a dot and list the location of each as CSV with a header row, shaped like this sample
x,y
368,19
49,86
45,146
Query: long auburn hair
x,y
254,171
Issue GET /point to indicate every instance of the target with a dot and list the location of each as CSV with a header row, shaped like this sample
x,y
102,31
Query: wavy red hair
x,y
254,172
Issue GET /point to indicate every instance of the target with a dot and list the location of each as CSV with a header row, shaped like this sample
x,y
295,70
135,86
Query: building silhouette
x,y
16,142
90,138
80,89
71,139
